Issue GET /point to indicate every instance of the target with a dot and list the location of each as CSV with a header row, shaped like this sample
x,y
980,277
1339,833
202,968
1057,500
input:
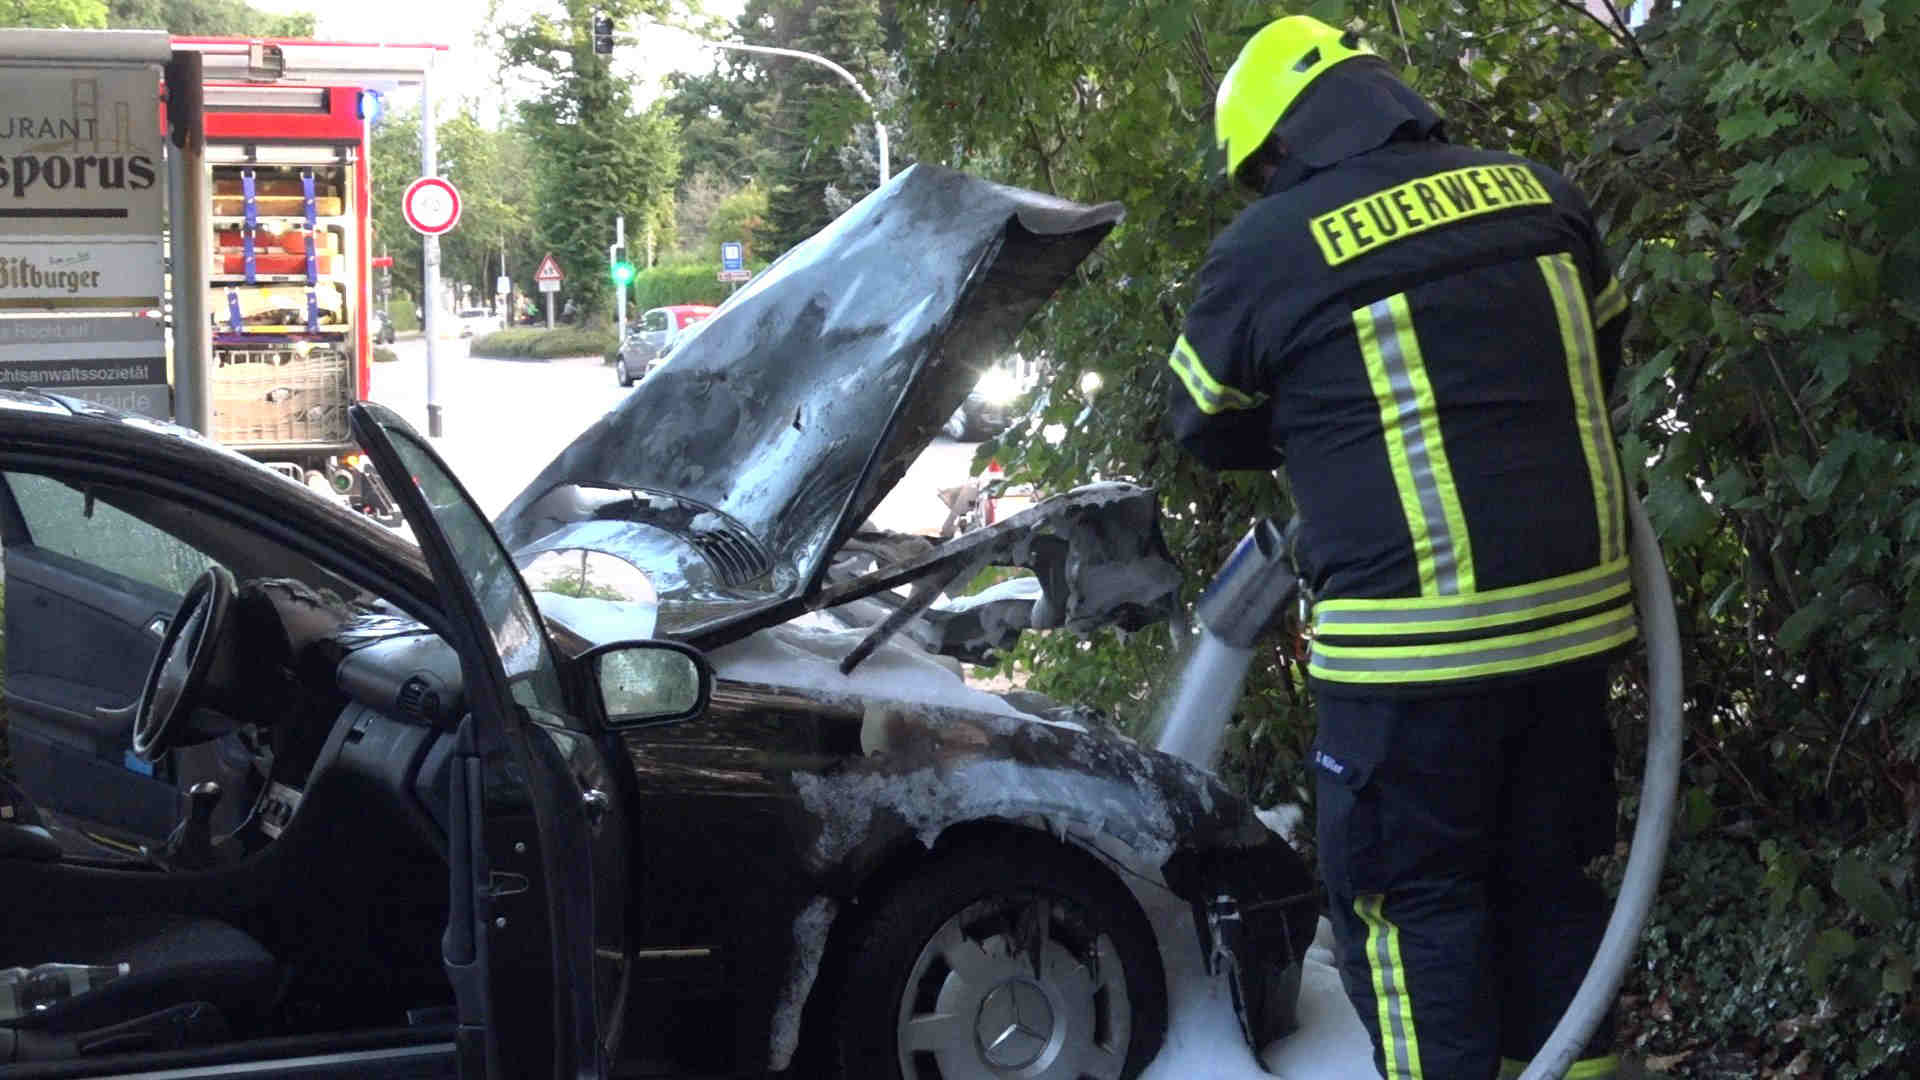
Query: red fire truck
x,y
289,276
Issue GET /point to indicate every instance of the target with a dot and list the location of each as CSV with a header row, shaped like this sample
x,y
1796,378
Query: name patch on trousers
x,y
1409,209
1330,763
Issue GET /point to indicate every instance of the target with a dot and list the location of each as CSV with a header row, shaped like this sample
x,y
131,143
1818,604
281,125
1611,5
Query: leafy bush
x,y
525,343
678,283
404,320
1779,960
384,355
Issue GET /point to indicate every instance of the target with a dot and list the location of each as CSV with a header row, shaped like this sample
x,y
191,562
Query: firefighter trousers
x,y
1454,837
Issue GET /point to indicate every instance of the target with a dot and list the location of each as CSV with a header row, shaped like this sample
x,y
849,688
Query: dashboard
x,y
390,746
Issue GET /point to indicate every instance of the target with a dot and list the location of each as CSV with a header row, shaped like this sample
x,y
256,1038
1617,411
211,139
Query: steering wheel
x,y
180,667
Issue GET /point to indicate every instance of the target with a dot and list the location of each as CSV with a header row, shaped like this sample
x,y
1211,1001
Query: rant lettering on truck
x,y
1369,223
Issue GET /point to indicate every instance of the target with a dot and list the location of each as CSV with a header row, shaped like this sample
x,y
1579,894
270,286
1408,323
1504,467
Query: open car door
x,y
535,943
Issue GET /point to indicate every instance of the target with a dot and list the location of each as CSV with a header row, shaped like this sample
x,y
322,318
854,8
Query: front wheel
x,y
998,962
620,372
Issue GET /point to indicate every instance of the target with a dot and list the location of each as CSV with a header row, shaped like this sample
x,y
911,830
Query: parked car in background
x,y
476,321
653,336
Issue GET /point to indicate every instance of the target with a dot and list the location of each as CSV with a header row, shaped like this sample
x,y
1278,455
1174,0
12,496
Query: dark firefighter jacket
x,y
1424,335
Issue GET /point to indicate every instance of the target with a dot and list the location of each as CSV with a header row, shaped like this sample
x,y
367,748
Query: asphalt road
x,y
504,420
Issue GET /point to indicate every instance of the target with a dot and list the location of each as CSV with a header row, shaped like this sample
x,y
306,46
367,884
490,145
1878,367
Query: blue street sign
x,y
732,257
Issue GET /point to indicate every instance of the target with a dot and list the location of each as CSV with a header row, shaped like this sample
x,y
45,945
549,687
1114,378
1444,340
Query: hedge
x,y
404,320
678,283
540,344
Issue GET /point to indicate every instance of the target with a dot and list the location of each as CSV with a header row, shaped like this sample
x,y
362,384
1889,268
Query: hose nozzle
x,y
1250,591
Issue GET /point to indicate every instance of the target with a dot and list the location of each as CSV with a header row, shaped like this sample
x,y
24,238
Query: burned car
x,y
381,807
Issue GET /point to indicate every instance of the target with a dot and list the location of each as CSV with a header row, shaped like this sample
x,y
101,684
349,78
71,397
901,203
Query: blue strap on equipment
x,y
306,190
233,309
251,209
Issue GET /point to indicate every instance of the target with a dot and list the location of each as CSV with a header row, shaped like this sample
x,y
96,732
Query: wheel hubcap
x,y
1015,1025
1015,988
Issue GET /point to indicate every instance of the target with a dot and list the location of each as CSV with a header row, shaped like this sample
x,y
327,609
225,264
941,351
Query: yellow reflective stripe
x,y
1611,304
1478,658
1410,423
1444,198
1476,645
1361,628
1398,1038
1600,1068
1364,326
1485,596
1483,610
1589,402
1208,393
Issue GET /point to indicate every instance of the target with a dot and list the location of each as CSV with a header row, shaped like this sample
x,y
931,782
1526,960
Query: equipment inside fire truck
x,y
287,207
289,281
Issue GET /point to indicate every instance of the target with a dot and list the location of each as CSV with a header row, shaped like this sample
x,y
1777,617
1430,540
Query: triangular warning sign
x,y
549,270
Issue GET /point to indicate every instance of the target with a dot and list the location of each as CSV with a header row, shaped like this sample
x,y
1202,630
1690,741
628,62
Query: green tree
x,y
709,212
597,155
818,132
1755,166
741,216
213,18
494,171
54,14
394,157
720,114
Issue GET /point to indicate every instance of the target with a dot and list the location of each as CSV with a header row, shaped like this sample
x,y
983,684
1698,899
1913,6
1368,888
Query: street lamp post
x,y
880,129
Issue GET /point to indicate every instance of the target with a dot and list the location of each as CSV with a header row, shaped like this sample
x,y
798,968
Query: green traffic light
x,y
622,273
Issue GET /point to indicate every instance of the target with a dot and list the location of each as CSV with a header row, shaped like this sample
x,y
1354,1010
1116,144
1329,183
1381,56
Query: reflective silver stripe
x,y
1466,610
1612,542
1414,660
1446,574
1389,982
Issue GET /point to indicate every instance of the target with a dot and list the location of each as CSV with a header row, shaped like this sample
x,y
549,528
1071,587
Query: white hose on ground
x,y
1659,782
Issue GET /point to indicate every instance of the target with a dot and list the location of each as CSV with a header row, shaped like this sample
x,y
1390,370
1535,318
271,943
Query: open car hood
x,y
733,473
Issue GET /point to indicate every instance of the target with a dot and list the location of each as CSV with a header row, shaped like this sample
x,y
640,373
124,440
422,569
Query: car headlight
x,y
998,387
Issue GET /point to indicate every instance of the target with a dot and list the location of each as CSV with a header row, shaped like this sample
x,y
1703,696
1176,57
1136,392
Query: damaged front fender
x,y
922,771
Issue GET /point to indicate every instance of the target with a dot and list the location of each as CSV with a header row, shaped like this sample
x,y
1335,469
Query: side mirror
x,y
649,682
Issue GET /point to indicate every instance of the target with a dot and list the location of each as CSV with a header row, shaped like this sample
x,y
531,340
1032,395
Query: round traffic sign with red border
x,y
432,205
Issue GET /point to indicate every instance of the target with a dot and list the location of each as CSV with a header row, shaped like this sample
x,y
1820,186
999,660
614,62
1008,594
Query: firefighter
x,y
1423,335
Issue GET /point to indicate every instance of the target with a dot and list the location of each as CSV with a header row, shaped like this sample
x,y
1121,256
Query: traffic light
x,y
622,272
603,34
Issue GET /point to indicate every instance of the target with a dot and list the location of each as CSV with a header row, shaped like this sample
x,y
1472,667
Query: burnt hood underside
x,y
784,419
